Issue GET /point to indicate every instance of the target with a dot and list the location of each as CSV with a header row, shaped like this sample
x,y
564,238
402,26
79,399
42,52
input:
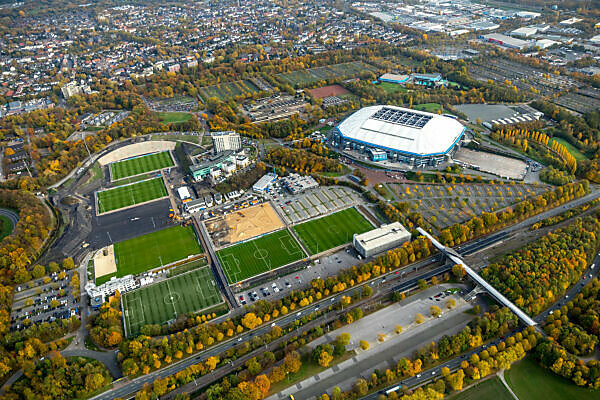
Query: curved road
x,y
11,215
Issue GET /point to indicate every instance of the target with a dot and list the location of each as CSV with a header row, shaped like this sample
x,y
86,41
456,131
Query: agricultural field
x,y
153,250
331,231
229,90
166,300
529,381
130,195
247,259
306,77
443,205
489,389
140,165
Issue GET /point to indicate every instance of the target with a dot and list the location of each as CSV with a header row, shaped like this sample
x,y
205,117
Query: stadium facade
x,y
399,134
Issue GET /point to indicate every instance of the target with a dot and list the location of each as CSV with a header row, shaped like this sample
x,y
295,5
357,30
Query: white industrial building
x,y
228,140
380,239
263,184
184,193
400,134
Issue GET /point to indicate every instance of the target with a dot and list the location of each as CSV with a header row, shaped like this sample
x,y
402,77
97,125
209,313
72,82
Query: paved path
x,y
501,376
381,357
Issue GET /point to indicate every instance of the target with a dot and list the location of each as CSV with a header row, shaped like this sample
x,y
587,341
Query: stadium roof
x,y
403,130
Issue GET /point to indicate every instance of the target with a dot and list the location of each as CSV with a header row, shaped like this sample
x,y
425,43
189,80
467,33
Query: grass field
x,y
254,257
141,165
333,230
489,389
530,381
166,300
5,227
173,117
390,87
429,107
129,195
571,149
155,249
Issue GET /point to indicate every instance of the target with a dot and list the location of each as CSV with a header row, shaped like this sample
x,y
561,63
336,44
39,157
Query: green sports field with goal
x,y
153,250
131,194
158,303
247,259
331,231
140,165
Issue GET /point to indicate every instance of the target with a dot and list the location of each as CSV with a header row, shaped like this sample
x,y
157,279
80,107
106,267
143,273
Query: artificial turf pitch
x,y
256,256
140,165
155,249
168,299
333,230
129,195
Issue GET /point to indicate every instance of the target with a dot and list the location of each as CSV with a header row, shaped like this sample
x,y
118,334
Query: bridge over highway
x,y
457,259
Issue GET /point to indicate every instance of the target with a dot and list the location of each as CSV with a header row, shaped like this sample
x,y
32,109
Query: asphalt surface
x,y
136,384
430,374
122,225
404,348
385,284
11,215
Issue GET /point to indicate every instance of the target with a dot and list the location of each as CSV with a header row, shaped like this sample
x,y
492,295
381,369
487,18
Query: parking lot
x,y
44,301
313,202
321,268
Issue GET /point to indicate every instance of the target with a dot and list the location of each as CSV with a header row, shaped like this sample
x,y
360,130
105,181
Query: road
x,y
389,356
426,376
11,215
388,283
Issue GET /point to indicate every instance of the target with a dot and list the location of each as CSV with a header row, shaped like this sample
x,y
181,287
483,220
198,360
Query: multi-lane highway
x,y
401,280
453,364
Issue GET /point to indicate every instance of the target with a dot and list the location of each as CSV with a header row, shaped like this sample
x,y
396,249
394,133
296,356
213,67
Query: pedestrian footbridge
x,y
457,259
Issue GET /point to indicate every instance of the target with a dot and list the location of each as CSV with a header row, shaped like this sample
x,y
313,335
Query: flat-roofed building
x,y
223,141
380,239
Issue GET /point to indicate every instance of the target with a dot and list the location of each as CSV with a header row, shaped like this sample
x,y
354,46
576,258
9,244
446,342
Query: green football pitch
x,y
129,195
333,230
166,300
254,257
153,250
140,165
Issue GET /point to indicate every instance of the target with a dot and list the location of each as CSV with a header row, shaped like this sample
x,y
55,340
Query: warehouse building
x,y
381,239
416,138
263,184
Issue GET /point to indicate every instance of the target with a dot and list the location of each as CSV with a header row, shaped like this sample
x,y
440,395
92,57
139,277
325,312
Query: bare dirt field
x,y
326,91
243,224
104,262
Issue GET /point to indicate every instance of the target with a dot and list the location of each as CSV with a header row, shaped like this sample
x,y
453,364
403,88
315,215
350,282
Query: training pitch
x,y
130,195
333,230
140,165
166,300
153,250
245,260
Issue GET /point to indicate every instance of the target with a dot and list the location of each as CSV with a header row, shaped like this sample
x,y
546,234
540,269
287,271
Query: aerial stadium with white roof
x,y
416,138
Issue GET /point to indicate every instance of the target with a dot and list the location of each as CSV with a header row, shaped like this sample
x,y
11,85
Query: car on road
x,y
275,288
242,300
288,285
